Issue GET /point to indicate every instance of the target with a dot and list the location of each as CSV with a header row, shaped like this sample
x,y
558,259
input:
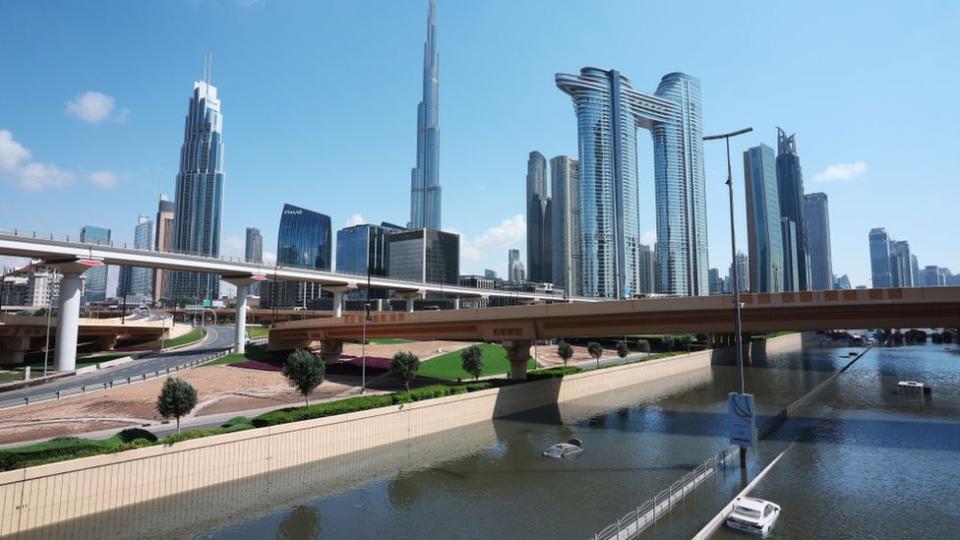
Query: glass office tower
x,y
425,177
609,111
425,256
565,213
764,229
882,275
253,248
790,188
138,282
199,196
163,243
539,265
816,215
303,241
363,250
95,279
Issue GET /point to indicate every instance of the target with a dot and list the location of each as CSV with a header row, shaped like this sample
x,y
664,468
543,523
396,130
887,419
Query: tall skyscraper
x,y
609,111
742,263
880,258
138,282
163,243
648,281
790,187
816,216
565,221
915,265
515,270
304,241
764,228
901,264
95,279
253,248
789,239
716,283
933,276
196,222
363,249
425,177
539,265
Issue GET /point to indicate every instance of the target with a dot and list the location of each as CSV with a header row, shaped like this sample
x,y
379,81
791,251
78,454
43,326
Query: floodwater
x,y
869,464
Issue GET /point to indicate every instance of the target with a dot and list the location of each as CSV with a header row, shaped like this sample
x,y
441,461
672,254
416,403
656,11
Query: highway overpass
x,y
517,327
21,334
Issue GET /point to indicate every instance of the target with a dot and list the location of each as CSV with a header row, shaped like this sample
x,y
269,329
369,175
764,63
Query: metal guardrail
x,y
637,520
83,389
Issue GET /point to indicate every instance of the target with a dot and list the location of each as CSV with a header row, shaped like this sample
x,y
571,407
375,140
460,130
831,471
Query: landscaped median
x,y
65,448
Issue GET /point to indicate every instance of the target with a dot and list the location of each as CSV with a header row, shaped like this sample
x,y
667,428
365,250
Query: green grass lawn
x,y
253,353
447,366
389,341
257,331
195,334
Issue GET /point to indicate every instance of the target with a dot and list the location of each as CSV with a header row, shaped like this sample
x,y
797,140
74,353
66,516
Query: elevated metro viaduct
x,y
72,259
516,328
21,334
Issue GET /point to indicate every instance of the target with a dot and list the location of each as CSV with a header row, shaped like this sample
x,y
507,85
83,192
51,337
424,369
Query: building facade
x,y
716,282
565,223
32,286
764,230
253,247
425,177
515,269
163,243
424,255
816,215
934,276
363,250
790,189
880,271
199,196
609,112
137,283
742,265
304,240
901,264
539,263
95,279
648,263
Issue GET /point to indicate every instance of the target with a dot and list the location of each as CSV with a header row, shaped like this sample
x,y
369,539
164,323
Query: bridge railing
x,y
120,381
634,522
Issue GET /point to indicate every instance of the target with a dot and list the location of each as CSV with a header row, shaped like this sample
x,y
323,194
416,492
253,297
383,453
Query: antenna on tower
x,y
207,67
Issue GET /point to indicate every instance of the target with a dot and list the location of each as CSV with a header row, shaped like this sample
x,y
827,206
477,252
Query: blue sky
x,y
319,102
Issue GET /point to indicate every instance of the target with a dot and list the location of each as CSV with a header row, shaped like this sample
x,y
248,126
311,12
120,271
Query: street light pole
x,y
738,337
46,347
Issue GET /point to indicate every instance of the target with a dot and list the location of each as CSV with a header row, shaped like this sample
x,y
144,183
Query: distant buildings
x,y
842,282
742,263
163,243
516,272
934,276
364,250
764,229
138,282
901,264
425,256
489,274
609,111
647,269
817,218
31,287
716,283
425,176
539,222
253,247
880,270
565,222
95,279
793,224
303,241
199,197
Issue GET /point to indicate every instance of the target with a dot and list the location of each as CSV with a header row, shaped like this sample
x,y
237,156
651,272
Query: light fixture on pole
x,y
738,338
363,345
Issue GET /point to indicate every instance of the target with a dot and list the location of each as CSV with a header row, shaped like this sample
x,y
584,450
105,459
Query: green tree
x,y
643,345
668,343
404,366
472,358
177,399
622,349
595,350
564,351
304,371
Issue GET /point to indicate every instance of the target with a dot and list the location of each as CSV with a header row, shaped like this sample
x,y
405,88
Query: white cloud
x,y
102,178
269,258
92,107
11,152
648,238
234,246
841,171
40,176
355,219
510,232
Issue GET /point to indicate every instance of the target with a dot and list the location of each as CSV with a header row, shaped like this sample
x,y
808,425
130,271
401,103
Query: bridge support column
x,y
107,343
518,353
410,304
12,350
240,330
337,304
68,322
456,303
330,350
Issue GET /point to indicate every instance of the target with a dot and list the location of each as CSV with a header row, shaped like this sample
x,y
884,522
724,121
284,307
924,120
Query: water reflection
x,y
303,523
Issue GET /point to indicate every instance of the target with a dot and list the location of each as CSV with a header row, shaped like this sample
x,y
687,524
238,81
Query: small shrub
x,y
564,351
622,350
404,366
668,344
595,350
304,371
177,399
472,358
643,345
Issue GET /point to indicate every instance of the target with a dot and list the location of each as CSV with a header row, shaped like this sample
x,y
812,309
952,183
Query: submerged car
x,y
753,515
564,450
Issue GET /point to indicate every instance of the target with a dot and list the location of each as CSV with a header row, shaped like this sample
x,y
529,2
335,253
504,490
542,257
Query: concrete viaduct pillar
x,y
518,353
410,297
68,317
13,349
338,292
330,350
243,284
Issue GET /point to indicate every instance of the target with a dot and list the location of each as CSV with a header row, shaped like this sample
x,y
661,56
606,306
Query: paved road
x,y
218,338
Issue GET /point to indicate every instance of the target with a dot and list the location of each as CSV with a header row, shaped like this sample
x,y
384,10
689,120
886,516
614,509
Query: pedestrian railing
x,y
637,520
83,389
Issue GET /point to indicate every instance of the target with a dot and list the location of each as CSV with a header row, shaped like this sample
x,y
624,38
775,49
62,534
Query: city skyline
x,y
486,238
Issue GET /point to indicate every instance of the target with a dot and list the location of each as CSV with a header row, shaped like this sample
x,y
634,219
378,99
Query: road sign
x,y
207,303
743,428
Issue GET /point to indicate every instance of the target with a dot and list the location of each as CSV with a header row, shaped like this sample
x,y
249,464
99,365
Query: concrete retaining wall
x,y
48,494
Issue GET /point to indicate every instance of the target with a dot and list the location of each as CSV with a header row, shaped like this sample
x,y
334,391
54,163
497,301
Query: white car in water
x,y
753,515
564,450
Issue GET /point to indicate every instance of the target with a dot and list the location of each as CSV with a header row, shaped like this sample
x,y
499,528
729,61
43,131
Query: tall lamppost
x,y
363,346
738,338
